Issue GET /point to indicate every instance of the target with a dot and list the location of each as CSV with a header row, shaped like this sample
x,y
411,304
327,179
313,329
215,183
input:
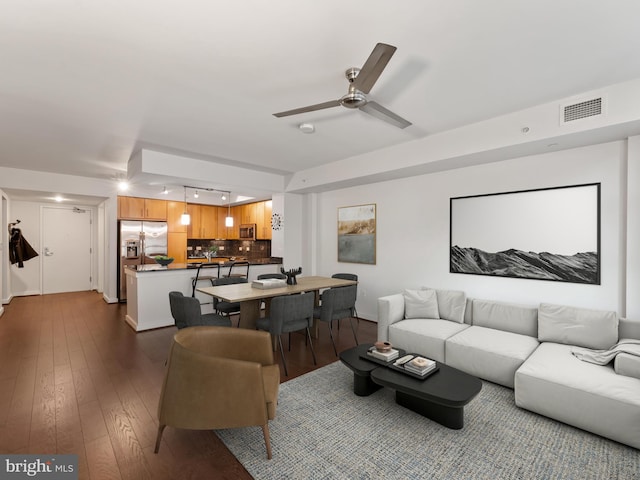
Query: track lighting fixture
x,y
185,218
229,220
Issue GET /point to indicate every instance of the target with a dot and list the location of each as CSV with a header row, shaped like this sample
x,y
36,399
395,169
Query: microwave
x,y
248,231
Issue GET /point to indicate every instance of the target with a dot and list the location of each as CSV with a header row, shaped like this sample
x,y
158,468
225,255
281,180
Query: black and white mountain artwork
x,y
579,268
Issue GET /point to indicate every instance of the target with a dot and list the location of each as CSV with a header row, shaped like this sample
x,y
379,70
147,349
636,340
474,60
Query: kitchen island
x,y
148,288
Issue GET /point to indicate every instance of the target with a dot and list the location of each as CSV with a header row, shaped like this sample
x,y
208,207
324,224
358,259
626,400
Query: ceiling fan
x,y
361,80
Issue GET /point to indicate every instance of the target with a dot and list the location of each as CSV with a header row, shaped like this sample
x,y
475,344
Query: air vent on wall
x,y
578,111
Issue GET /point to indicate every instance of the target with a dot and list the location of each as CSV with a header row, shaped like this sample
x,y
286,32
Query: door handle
x,y
47,252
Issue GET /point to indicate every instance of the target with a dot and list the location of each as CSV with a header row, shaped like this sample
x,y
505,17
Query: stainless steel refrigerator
x,y
139,242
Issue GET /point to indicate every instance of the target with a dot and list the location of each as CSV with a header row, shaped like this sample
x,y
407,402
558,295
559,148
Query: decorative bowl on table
x,y
164,261
383,347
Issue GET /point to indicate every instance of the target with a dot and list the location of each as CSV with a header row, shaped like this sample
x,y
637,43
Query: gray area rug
x,y
323,431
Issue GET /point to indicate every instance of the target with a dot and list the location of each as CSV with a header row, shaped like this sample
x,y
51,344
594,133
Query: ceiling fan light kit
x,y
361,80
307,127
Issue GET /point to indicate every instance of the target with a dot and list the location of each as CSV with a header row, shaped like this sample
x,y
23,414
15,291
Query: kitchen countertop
x,y
154,267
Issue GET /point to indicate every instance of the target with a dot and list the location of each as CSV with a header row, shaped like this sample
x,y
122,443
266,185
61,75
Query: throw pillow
x,y
451,304
420,304
582,327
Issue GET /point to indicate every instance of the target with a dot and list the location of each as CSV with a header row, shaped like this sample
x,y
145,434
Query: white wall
x,y
413,229
27,280
633,229
291,242
76,185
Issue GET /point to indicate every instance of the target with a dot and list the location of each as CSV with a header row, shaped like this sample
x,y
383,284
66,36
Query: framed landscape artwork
x,y
357,234
543,234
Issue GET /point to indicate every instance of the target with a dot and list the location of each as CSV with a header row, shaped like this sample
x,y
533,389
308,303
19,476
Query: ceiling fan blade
x,y
378,111
373,67
310,108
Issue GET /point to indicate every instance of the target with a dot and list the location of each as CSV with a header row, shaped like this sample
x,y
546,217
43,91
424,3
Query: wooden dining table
x,y
251,297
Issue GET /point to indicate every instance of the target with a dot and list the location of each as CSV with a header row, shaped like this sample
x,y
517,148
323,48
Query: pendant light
x,y
185,218
228,222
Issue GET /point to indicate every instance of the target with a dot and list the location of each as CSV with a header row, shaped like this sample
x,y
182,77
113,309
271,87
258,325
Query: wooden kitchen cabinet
x,y
155,209
136,208
248,213
174,214
229,233
233,233
263,220
209,221
222,228
194,229
204,221
177,246
131,207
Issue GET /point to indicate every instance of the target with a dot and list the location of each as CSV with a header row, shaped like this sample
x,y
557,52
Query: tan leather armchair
x,y
219,377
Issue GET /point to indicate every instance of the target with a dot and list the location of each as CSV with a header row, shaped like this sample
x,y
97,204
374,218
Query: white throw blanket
x,y
602,357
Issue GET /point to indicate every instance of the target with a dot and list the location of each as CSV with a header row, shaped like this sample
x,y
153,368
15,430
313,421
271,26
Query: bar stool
x,y
200,277
239,265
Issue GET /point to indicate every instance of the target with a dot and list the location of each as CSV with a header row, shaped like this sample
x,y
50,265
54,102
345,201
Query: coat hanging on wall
x,y
19,249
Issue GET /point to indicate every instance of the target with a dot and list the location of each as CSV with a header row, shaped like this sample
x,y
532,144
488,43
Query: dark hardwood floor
x,y
75,378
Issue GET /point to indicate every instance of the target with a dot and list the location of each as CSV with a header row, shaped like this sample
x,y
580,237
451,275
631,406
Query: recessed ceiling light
x,y
307,128
58,198
123,185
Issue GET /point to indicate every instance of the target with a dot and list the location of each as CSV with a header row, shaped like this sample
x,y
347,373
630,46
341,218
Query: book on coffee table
x,y
387,356
420,365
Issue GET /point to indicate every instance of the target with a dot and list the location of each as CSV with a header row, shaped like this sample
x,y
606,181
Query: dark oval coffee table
x,y
440,397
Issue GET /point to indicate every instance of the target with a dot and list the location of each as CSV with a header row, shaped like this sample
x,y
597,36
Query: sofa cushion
x,y
451,305
628,328
583,327
421,304
491,354
505,316
425,337
627,364
554,383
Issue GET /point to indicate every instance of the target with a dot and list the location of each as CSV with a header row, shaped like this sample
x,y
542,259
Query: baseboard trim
x,y
108,299
28,293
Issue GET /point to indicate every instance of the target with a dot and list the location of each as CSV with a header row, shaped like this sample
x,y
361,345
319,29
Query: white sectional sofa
x,y
528,349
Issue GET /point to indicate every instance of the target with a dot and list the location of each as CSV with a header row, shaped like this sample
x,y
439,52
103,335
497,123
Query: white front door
x,y
66,249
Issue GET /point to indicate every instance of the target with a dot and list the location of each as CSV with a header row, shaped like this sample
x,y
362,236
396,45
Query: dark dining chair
x,y
264,276
349,276
337,303
221,306
290,313
186,311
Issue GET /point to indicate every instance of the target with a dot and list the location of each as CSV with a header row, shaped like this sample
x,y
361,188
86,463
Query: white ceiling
x,y
84,85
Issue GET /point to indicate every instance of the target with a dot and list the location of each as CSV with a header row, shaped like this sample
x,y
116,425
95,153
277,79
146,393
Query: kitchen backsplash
x,y
251,249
